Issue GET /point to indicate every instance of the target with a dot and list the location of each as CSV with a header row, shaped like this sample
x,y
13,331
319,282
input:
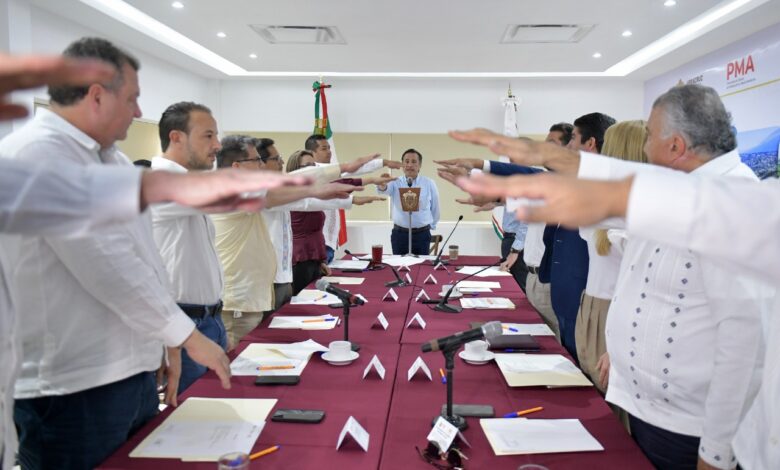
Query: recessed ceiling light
x,y
221,35
253,56
597,55
670,3
177,5
627,33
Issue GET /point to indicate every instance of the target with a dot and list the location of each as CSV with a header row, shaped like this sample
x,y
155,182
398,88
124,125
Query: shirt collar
x,y
720,165
57,122
161,163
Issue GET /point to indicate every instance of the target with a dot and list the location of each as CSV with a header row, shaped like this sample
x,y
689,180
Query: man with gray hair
x,y
683,333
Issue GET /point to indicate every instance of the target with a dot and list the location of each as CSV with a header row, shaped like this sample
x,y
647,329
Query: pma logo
x,y
740,68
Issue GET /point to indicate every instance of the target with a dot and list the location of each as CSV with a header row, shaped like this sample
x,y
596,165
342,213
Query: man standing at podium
x,y
422,220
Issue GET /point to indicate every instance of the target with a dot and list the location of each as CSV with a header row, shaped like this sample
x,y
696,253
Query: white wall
x,y
423,105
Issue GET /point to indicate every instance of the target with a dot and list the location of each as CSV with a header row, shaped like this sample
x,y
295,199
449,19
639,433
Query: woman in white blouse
x,y
624,140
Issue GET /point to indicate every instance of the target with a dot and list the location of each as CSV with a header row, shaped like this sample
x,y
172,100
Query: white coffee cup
x,y
339,349
446,288
477,349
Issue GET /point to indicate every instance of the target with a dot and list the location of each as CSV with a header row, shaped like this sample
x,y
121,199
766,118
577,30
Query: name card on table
x,y
358,433
391,296
381,321
422,294
418,364
376,365
404,267
430,279
439,267
409,279
442,434
418,319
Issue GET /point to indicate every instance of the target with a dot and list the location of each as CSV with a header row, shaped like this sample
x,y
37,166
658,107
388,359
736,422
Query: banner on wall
x,y
509,103
746,74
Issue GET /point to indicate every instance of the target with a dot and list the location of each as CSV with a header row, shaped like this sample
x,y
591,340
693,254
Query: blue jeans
x,y
82,429
212,328
421,242
331,253
666,450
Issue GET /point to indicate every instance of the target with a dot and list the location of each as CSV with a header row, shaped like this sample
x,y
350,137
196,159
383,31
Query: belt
x,y
201,311
509,235
533,269
414,230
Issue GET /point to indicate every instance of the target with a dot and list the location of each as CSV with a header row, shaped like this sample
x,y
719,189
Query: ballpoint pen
x,y
516,414
443,377
264,452
514,330
318,320
276,367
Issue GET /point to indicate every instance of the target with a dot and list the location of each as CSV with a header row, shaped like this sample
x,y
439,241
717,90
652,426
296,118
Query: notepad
x,y
344,281
203,429
491,271
519,436
313,322
530,370
348,264
397,261
314,297
491,303
274,354
535,329
488,284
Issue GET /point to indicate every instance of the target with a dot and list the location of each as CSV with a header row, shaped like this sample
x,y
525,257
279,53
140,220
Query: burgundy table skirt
x,y
397,413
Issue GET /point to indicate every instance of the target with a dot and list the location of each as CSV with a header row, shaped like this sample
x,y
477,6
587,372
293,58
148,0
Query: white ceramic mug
x,y
339,349
477,349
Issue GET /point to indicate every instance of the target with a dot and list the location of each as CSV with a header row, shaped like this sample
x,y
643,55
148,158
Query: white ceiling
x,y
413,36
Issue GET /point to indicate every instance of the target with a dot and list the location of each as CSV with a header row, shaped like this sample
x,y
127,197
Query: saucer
x,y
489,356
341,361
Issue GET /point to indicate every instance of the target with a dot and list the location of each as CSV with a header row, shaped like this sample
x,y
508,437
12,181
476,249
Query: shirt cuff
x,y
717,454
661,206
518,244
594,167
115,191
486,166
368,167
178,329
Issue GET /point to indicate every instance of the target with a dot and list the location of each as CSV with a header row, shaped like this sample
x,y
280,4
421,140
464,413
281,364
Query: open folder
x,y
518,436
203,429
531,370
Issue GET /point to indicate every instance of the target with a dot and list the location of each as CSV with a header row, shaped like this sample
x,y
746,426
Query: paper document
x,y
203,429
316,322
518,436
535,329
492,271
497,303
469,290
529,370
348,264
271,358
394,260
488,284
314,297
345,281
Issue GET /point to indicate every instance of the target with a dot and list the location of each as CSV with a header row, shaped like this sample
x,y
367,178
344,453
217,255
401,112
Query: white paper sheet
x,y
490,272
533,370
348,264
534,329
494,303
398,261
345,281
314,297
489,284
442,434
517,436
203,429
269,354
469,290
305,322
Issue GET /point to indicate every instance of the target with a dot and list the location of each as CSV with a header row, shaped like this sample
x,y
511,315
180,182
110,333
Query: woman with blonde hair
x,y
624,140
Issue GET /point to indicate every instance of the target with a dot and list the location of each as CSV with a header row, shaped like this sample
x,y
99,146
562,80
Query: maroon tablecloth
x,y
397,413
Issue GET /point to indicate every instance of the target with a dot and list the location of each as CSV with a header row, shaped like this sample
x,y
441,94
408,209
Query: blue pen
x,y
515,330
512,350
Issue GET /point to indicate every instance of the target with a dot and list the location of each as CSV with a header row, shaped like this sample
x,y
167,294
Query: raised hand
x,y
360,200
353,166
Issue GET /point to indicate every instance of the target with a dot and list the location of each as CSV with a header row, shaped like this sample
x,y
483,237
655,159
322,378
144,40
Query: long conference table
x,y
396,412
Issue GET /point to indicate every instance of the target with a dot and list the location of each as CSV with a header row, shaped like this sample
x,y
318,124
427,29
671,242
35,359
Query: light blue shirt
x,y
429,202
512,225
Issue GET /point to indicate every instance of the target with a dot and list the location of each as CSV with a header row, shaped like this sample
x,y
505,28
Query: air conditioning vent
x,y
545,33
277,34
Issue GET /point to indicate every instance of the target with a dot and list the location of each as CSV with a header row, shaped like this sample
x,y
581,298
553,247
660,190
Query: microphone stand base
x,y
447,308
341,306
396,284
375,267
457,421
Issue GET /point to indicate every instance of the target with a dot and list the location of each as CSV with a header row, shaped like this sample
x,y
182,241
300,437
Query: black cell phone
x,y
298,416
478,411
277,379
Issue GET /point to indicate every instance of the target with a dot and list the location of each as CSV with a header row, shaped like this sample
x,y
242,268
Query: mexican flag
x,y
322,127
509,103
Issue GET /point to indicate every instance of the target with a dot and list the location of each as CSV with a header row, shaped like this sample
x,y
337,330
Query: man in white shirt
x,y
683,333
94,311
185,236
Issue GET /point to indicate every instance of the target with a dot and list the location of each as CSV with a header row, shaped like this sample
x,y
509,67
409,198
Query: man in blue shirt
x,y
424,219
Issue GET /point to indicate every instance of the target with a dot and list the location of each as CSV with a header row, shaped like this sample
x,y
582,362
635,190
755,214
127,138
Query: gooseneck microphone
x,y
326,286
438,256
443,306
487,331
398,281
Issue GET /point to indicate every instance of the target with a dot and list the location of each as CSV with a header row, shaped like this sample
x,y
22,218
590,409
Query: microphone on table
x,y
441,252
443,306
398,281
487,331
326,286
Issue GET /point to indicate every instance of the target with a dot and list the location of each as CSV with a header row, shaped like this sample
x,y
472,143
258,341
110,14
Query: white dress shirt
x,y
34,199
92,310
603,270
683,333
734,223
185,238
534,245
